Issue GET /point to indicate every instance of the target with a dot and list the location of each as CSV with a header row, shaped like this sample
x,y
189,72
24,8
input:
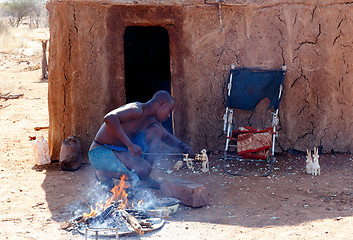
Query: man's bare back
x,y
132,121
124,128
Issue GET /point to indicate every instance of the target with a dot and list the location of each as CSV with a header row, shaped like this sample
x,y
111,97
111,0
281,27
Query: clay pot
x,y
70,154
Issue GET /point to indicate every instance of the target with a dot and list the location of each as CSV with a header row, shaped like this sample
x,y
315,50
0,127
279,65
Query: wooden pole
x,y
44,60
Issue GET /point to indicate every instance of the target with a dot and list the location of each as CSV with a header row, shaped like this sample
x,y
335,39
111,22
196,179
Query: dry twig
x,y
39,128
7,96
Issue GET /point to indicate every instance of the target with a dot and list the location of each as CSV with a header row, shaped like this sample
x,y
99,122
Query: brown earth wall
x,y
312,38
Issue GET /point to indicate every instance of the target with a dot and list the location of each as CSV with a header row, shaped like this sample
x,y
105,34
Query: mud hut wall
x,y
312,39
87,64
314,42
317,104
79,89
213,48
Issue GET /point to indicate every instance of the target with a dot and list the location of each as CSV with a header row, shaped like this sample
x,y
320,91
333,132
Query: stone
x,y
189,193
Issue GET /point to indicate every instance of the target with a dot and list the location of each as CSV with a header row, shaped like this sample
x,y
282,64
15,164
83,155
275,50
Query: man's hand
x,y
187,149
135,150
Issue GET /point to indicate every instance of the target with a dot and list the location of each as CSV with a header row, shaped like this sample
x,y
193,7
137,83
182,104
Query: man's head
x,y
164,103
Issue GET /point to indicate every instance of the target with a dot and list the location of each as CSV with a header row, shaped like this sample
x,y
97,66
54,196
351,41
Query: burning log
x,y
72,223
126,221
114,214
106,213
145,224
144,214
133,222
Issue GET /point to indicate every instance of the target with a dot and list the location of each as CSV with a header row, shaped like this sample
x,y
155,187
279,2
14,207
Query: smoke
x,y
148,198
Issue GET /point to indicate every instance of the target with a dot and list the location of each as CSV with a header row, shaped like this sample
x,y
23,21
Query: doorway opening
x,y
147,64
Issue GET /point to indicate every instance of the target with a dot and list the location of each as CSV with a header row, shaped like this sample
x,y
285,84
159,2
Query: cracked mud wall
x,y
78,83
312,38
318,104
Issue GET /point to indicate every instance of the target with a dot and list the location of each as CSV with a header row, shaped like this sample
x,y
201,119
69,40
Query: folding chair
x,y
246,88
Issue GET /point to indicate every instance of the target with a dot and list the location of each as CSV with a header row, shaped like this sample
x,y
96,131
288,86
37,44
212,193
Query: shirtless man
x,y
127,133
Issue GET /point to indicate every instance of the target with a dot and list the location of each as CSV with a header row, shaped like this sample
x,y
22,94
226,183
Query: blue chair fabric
x,y
250,86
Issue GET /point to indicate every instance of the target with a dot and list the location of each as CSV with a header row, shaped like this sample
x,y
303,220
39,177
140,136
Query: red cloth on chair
x,y
252,142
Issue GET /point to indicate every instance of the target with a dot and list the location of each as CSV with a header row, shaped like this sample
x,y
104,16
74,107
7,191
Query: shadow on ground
x,y
288,196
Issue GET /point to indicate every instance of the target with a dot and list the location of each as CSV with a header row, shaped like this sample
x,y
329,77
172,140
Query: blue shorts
x,y
103,158
139,139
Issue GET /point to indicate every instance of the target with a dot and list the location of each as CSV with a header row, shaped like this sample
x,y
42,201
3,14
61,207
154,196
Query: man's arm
x,y
114,120
173,141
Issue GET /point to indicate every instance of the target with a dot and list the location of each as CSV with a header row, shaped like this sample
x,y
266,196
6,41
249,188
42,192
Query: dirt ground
x,y
35,200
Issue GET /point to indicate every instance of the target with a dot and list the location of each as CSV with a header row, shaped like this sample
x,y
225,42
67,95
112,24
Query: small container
x,y
169,204
70,154
41,151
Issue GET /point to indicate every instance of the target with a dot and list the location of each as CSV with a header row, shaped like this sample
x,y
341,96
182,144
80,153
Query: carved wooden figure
x,y
309,162
205,164
178,165
188,161
316,166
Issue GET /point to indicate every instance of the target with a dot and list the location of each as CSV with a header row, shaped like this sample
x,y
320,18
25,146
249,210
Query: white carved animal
x,y
309,162
316,166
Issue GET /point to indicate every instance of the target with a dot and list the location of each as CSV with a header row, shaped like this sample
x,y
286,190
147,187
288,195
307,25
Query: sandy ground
x,y
35,200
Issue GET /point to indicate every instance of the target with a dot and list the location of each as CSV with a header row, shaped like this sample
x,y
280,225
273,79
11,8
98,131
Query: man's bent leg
x,y
137,165
108,166
141,167
153,135
106,177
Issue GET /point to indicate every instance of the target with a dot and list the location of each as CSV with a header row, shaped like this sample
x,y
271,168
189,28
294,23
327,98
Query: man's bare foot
x,y
106,182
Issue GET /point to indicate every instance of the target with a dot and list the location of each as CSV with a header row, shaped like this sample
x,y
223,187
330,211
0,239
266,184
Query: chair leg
x,y
271,167
224,166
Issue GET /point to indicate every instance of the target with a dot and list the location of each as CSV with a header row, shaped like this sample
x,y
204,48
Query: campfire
x,y
119,216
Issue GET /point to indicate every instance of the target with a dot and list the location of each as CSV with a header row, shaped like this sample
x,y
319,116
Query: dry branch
x,y
40,128
2,106
7,96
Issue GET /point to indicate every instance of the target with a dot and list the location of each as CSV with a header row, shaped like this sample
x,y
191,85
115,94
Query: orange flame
x,y
119,194
92,213
140,203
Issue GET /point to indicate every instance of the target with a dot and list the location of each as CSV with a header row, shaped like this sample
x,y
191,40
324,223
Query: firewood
x,y
7,96
39,128
2,106
66,225
145,224
133,222
151,213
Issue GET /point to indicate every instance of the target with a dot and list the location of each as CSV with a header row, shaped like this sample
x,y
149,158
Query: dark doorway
x,y
147,63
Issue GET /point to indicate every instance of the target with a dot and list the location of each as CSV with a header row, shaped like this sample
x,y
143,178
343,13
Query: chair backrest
x,y
247,87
